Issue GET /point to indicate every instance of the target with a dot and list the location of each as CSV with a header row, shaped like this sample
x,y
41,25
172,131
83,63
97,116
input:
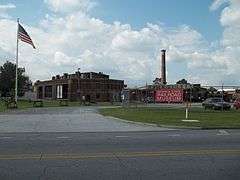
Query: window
x,y
48,91
97,95
40,92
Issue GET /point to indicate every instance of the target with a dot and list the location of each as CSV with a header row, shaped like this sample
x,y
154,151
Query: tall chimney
x,y
163,67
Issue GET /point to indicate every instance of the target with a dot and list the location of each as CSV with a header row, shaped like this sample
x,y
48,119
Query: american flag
x,y
23,36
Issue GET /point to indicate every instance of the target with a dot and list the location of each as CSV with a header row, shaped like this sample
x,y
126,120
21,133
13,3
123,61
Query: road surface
x,y
67,119
73,143
188,154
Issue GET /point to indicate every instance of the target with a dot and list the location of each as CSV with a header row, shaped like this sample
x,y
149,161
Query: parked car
x,y
236,103
216,104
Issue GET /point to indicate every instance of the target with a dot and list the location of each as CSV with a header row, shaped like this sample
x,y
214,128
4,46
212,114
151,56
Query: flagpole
x,y
16,80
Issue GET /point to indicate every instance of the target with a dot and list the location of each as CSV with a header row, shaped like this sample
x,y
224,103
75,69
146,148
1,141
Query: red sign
x,y
169,95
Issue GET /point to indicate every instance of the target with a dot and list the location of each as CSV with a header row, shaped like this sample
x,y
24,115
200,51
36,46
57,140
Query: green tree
x,y
182,81
212,90
7,80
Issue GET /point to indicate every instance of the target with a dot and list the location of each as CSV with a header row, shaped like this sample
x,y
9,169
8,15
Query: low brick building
x,y
88,86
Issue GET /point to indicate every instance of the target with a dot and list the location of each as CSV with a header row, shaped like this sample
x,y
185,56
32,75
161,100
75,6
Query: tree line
x,y
7,80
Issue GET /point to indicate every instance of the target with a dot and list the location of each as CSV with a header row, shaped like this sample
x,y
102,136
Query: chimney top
x,y
163,67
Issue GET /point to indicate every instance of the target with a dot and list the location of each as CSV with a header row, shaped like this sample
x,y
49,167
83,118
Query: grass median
x,y
208,119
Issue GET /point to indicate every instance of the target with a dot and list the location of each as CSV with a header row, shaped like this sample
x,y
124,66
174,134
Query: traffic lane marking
x,y
63,137
120,154
121,136
174,135
223,133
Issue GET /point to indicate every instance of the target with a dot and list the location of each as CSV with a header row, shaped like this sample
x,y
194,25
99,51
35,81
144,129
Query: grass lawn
x,y
2,106
26,104
22,104
173,116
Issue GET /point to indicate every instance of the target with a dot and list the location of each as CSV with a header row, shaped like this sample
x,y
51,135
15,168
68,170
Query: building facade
x,y
89,86
172,93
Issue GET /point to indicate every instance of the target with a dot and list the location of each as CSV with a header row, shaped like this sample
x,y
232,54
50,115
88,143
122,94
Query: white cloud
x,y
94,45
230,52
217,3
75,39
231,15
67,6
4,8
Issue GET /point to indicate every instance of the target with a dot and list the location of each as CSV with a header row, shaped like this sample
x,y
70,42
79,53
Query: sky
x,y
124,38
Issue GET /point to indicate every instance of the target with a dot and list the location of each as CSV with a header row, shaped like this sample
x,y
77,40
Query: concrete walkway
x,y
67,119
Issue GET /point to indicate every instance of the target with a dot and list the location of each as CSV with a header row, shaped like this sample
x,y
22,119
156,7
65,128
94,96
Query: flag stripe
x,y
23,36
29,42
26,40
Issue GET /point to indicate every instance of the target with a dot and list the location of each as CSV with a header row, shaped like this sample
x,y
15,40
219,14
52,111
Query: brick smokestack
x,y
163,67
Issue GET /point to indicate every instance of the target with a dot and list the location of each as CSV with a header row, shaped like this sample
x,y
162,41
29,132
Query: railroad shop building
x,y
88,86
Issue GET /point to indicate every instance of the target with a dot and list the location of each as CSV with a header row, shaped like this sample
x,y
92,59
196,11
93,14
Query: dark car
x,y
237,103
216,104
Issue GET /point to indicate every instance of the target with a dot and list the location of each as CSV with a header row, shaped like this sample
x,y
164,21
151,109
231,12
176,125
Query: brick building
x,y
91,86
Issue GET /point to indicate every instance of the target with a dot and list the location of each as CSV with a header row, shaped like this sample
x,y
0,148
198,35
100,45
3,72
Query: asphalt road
x,y
176,154
65,119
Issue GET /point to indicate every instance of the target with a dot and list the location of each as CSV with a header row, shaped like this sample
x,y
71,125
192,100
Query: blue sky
x,y
170,12
201,37
138,12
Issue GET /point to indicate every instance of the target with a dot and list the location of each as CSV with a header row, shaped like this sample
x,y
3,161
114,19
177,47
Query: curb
x,y
154,125
132,122
180,127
